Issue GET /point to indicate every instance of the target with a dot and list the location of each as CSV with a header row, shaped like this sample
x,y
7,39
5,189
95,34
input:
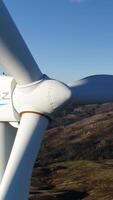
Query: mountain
x,y
75,160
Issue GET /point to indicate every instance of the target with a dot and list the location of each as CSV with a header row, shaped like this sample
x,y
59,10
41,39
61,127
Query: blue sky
x,y
69,39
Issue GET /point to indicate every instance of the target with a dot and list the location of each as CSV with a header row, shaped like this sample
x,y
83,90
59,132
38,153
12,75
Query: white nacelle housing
x,y
7,111
42,97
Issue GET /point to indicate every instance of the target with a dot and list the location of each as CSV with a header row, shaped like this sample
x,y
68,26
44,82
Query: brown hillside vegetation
x,y
75,161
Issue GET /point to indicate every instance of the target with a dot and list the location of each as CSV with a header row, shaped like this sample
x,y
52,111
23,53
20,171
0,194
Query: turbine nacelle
x,y
7,110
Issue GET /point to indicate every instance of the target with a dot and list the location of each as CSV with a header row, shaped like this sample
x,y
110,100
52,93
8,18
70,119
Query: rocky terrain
x,y
75,160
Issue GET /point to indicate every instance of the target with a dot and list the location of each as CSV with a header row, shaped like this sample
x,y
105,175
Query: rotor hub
x,y
42,97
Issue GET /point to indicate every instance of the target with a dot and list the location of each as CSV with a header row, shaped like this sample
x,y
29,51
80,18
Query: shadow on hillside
x,y
70,195
61,195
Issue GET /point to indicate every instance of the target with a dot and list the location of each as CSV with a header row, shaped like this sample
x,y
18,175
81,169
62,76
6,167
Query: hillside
x,y
75,160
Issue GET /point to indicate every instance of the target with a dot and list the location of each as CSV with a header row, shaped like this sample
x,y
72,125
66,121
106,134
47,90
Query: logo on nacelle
x,y
4,98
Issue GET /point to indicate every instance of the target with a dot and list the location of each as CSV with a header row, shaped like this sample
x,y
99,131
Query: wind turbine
x,y
28,98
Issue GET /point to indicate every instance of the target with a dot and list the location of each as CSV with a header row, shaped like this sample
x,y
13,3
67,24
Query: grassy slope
x,y
75,161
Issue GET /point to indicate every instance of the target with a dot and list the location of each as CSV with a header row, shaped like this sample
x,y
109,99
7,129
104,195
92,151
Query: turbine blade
x,y
14,53
93,89
16,180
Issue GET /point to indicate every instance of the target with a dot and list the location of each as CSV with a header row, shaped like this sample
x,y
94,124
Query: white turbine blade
x,y
7,137
16,180
93,89
14,54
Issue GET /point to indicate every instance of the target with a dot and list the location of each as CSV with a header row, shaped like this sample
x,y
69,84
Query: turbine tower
x,y
27,100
